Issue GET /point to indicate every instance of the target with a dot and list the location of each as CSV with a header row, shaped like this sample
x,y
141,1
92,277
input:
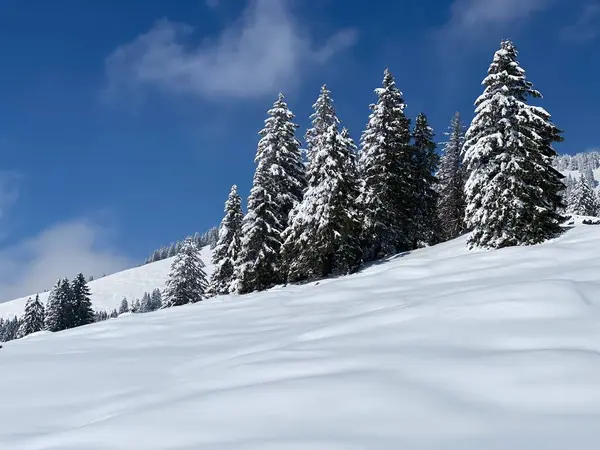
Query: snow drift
x,y
439,349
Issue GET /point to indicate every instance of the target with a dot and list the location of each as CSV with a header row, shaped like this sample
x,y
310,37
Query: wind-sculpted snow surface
x,y
440,349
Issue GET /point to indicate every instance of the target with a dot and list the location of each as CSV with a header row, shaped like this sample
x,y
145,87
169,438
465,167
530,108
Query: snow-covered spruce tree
x,y
588,174
424,228
582,199
83,311
322,118
60,311
34,317
124,307
156,300
512,192
385,164
146,303
187,280
451,182
278,184
227,249
323,236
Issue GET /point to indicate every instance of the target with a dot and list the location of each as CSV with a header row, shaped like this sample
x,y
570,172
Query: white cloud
x,y
470,18
263,52
213,4
63,250
587,26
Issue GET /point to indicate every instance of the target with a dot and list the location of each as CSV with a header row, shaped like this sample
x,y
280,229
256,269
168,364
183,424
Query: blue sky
x,y
123,123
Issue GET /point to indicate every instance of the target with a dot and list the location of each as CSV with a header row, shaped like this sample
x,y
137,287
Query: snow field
x,y
438,349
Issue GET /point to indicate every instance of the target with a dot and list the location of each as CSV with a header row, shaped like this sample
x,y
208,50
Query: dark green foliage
x,y
82,304
425,227
385,166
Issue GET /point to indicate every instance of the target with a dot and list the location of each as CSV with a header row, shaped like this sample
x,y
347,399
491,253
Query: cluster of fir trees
x,y
69,305
580,197
582,162
149,302
201,239
342,208
327,215
10,329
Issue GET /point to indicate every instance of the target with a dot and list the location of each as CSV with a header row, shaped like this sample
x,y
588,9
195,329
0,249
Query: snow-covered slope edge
x,y
440,349
107,292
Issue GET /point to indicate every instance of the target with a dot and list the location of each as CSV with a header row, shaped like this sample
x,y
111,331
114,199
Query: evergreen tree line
x,y
69,305
148,303
580,161
580,197
333,209
201,239
329,209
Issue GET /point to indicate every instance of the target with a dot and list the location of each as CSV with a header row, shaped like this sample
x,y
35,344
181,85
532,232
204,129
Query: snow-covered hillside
x,y
107,292
439,349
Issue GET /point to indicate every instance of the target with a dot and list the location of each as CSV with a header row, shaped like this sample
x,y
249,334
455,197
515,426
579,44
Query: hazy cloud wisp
x,y
261,53
34,264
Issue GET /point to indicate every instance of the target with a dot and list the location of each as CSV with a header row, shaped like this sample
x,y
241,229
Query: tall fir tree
x,y
60,310
34,317
156,299
83,311
323,236
146,303
187,280
385,167
512,192
588,174
582,199
451,182
278,185
425,228
226,252
322,118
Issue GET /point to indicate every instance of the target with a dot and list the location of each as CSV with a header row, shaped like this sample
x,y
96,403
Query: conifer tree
x,y
187,281
124,307
277,187
34,317
227,249
512,192
322,118
323,236
83,311
425,228
60,311
385,165
451,179
146,303
582,199
156,299
135,306
588,174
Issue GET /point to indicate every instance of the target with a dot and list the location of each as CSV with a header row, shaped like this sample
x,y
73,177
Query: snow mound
x,y
438,349
108,292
